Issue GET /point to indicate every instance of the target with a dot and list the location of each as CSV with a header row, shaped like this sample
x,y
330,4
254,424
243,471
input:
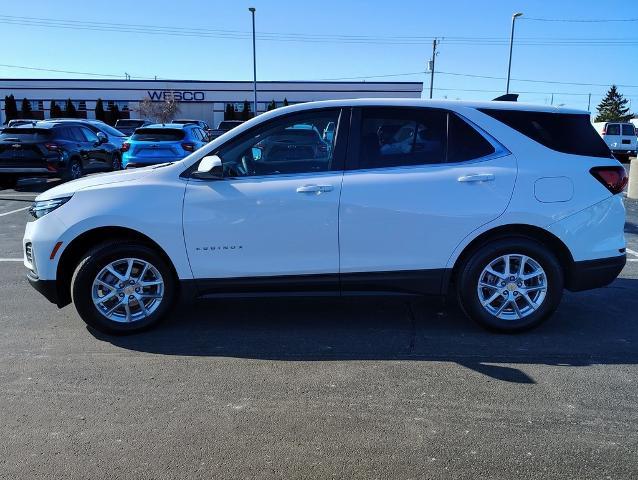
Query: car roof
x,y
187,120
418,102
38,124
175,126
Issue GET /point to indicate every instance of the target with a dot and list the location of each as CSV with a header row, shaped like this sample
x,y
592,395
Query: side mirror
x,y
210,168
101,138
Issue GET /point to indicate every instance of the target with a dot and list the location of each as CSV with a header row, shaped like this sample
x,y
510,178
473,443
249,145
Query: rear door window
x,y
570,133
465,142
158,135
628,130
392,137
612,129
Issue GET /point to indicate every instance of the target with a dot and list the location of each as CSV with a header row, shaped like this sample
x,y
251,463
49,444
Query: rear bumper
x,y
589,274
623,152
48,288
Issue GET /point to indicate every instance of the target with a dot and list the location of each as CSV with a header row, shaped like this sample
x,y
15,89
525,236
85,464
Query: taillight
x,y
54,147
613,178
125,146
189,147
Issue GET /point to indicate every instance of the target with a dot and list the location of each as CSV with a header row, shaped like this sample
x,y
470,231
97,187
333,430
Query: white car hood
x,y
69,188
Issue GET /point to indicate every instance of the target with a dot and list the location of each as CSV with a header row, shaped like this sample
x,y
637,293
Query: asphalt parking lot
x,y
330,388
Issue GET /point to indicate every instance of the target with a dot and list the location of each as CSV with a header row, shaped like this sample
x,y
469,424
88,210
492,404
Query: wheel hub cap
x,y
128,290
511,287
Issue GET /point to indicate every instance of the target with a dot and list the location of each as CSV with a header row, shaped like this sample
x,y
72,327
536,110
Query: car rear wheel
x,y
116,163
510,285
122,288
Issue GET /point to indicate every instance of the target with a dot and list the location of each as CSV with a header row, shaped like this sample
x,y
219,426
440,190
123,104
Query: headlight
x,y
41,208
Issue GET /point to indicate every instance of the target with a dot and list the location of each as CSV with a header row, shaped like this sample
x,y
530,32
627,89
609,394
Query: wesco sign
x,y
177,95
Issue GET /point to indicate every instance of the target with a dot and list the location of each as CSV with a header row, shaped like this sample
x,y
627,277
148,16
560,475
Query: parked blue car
x,y
161,143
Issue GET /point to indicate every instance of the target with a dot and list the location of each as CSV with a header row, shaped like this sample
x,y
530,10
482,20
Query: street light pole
x,y
252,10
509,65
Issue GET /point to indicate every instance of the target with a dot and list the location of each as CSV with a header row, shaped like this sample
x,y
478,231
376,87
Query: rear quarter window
x,y
628,130
158,135
562,132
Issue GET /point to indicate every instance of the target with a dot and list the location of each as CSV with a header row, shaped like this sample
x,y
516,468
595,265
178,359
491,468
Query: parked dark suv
x,y
53,149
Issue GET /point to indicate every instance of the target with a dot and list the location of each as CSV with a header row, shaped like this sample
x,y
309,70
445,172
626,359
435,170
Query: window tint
x,y
24,134
287,145
612,129
393,137
563,132
158,135
464,142
628,130
88,135
74,134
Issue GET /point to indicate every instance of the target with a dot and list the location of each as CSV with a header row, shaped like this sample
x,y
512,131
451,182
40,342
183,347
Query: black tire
x,y
8,181
73,170
116,163
472,268
89,267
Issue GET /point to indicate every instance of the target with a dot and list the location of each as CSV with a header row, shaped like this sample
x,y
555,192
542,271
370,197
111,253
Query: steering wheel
x,y
247,163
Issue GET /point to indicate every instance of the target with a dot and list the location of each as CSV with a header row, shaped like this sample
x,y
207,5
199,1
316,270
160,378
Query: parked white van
x,y
620,137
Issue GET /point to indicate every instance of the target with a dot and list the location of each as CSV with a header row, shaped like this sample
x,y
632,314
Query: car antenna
x,y
508,97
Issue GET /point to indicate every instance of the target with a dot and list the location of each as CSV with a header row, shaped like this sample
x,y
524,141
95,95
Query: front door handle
x,y
478,177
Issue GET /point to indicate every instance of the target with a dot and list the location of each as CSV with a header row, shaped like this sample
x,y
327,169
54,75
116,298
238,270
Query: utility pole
x,y
252,10
509,64
589,103
552,101
434,42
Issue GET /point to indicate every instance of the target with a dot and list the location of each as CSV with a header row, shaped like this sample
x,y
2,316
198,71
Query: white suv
x,y
500,204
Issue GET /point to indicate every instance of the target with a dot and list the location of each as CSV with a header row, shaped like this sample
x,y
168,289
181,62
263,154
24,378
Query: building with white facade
x,y
202,100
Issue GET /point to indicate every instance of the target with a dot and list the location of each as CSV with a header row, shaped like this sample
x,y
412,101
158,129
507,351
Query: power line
x,y
303,38
93,74
576,20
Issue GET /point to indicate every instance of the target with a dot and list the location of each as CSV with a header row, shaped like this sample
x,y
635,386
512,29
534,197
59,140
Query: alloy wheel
x,y
512,287
127,290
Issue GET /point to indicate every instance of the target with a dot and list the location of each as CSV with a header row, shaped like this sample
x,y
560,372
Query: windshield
x,y
109,130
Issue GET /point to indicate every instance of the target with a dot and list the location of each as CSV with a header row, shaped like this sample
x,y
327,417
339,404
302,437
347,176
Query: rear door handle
x,y
314,188
309,189
478,177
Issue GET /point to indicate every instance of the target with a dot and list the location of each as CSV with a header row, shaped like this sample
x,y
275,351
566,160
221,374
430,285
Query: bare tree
x,y
162,112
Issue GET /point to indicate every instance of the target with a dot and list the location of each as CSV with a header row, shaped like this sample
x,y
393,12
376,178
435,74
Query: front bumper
x,y
48,288
588,274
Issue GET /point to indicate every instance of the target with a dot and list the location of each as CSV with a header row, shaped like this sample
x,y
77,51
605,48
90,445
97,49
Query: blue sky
x,y
329,49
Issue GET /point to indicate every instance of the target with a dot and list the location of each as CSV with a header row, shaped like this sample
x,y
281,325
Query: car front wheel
x,y
510,285
122,288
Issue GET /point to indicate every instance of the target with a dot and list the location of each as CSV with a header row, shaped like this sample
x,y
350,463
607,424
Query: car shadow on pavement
x,y
595,327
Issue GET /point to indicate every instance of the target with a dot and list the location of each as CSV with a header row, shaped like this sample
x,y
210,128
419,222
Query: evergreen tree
x,y
285,102
229,114
613,108
10,108
26,109
100,114
271,106
69,109
246,115
114,114
55,111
